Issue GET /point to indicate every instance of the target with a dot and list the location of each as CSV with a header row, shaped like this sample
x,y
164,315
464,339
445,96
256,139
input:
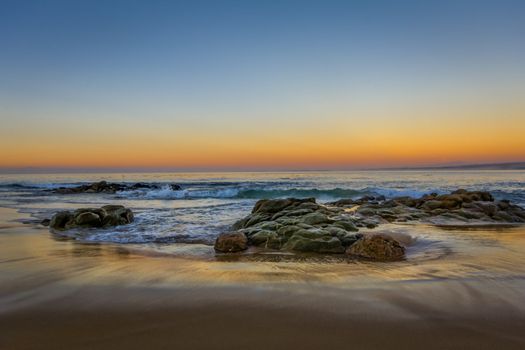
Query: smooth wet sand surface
x,y
63,294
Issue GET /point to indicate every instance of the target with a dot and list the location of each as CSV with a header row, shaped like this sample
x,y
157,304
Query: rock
x,y
370,225
346,225
503,216
116,215
503,204
343,203
318,245
45,222
313,232
267,239
257,218
231,242
286,221
268,225
467,214
377,247
270,206
489,208
296,212
365,211
89,219
315,218
349,238
60,219
108,187
336,231
110,215
288,231
439,204
275,205
304,225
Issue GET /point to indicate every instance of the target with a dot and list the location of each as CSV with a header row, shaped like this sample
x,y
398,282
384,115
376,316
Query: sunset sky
x,y
261,84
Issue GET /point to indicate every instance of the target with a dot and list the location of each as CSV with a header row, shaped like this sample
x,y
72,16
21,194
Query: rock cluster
x,y
109,215
108,187
296,225
460,206
303,225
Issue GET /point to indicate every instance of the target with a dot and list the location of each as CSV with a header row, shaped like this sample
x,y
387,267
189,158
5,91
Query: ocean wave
x,y
402,192
36,186
245,193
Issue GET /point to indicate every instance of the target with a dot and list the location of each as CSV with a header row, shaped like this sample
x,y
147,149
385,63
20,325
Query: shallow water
x,y
210,202
183,224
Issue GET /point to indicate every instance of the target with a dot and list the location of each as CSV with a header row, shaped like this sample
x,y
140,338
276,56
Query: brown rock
x,y
230,242
377,247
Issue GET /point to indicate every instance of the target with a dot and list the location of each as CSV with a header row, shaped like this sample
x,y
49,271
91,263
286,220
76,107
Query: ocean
x,y
209,203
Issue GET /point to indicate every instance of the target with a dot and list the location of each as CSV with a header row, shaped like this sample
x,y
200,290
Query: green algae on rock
x,y
303,225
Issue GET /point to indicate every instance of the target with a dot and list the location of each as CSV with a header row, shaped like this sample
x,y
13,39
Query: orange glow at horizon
x,y
332,143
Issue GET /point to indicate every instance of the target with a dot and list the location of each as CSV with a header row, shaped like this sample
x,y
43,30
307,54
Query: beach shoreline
x,y
156,283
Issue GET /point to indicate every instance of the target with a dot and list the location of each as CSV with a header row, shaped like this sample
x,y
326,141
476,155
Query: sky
x,y
261,85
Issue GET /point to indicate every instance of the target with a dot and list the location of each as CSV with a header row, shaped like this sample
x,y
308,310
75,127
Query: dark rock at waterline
x,y
175,187
109,215
108,187
377,247
45,222
300,225
460,206
231,242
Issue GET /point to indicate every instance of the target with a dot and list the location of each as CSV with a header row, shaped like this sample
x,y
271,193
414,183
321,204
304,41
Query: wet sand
x,y
244,318
62,294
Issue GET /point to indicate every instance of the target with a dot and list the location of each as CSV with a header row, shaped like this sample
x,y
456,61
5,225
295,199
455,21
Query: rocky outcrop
x,y
460,206
109,215
108,187
303,225
300,225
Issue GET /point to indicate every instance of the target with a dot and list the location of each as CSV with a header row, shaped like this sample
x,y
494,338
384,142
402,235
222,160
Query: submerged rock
x,y
377,247
109,215
231,242
108,187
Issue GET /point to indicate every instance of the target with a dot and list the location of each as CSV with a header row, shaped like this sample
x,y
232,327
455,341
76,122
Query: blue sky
x,y
230,67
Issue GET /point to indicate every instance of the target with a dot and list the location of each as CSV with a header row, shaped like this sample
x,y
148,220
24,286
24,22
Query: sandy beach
x,y
58,294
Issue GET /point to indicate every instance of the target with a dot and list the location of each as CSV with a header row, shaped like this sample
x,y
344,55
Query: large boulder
x,y
377,247
230,242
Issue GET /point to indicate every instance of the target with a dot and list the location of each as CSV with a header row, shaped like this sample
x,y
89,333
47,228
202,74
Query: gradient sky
x,y
261,84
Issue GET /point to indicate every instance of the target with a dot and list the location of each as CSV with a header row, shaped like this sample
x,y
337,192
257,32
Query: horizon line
x,y
520,165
